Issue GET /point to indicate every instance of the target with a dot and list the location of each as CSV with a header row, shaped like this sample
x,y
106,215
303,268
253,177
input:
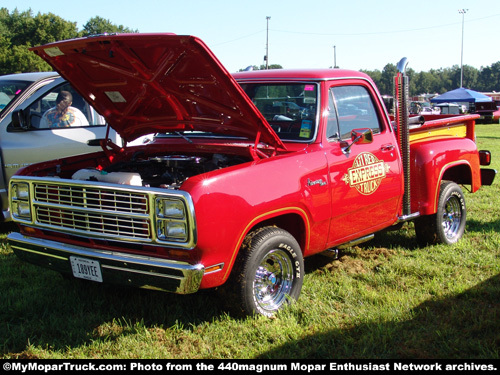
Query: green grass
x,y
388,298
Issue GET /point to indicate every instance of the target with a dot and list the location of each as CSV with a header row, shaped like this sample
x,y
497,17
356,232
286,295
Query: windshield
x,y
9,90
290,108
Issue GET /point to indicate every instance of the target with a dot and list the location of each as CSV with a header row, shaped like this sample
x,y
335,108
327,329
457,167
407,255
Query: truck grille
x,y
93,210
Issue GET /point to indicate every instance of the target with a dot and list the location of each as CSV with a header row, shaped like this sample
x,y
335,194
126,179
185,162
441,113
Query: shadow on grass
x,y
460,327
487,137
41,308
44,309
481,226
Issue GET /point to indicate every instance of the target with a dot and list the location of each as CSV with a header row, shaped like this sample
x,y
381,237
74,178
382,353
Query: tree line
x,y
485,79
20,30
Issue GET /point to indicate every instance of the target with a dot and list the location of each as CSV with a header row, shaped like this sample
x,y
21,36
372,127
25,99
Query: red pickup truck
x,y
248,174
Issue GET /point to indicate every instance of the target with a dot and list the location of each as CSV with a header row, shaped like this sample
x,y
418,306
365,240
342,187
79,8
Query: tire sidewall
x,y
450,190
265,242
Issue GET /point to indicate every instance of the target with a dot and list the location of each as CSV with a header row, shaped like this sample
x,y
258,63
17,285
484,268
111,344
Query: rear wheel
x,y
270,271
447,225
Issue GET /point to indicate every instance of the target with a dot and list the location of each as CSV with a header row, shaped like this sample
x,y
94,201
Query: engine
x,y
166,171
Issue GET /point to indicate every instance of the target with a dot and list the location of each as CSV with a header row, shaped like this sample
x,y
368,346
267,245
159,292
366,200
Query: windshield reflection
x,y
9,90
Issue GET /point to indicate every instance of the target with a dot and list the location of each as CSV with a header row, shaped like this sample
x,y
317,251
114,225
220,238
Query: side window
x,y
332,127
354,110
63,107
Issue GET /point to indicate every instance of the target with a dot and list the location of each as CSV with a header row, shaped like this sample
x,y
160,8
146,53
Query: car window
x,y
290,108
9,90
44,113
351,107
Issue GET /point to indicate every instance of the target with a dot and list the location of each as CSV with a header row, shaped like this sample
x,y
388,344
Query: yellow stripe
x,y
454,131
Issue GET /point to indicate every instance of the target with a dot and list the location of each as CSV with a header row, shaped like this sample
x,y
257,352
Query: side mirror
x,y
19,123
94,142
361,136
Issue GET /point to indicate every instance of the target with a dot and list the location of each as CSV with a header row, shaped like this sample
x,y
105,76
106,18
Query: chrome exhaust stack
x,y
402,118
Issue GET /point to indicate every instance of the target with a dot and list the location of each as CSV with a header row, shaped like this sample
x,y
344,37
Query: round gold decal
x,y
366,173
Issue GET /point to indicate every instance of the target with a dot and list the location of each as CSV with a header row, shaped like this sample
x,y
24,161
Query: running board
x,y
357,241
334,251
409,217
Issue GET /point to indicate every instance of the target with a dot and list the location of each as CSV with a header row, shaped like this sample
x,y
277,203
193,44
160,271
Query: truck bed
x,y
444,126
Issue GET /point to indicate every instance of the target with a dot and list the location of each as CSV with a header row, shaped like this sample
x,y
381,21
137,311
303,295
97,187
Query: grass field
x,y
387,298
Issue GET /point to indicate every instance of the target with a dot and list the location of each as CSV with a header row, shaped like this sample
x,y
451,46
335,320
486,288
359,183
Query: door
x,y
366,177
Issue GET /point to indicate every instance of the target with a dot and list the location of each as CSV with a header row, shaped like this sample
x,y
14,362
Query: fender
x,y
271,217
430,165
231,202
277,216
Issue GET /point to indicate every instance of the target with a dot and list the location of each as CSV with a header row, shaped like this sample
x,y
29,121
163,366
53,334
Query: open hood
x,y
153,83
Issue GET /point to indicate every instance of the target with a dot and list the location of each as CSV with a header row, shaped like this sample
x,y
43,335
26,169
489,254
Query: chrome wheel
x,y
273,280
447,225
269,272
452,217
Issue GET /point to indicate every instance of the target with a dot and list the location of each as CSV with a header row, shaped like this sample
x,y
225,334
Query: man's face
x,y
62,106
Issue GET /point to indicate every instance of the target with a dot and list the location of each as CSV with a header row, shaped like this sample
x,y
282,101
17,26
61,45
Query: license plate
x,y
86,268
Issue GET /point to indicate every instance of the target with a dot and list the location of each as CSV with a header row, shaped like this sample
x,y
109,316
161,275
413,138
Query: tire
x,y
269,274
447,225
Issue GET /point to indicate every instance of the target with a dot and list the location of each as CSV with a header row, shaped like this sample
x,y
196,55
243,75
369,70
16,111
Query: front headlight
x,y
20,202
172,230
171,220
171,208
21,209
20,191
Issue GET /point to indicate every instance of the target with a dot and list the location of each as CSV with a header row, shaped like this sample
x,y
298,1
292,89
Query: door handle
x,y
387,147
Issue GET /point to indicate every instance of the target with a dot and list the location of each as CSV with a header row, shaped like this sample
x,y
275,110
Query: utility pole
x,y
335,57
267,43
462,12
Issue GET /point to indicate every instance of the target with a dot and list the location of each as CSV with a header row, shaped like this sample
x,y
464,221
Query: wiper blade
x,y
183,136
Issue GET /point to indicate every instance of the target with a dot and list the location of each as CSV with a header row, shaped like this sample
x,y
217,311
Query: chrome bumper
x,y
117,268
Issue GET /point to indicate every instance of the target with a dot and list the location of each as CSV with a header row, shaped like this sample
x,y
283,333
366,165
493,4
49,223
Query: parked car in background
x,y
449,108
429,111
24,98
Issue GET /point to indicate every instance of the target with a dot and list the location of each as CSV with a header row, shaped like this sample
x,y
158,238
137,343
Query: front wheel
x,y
447,225
270,271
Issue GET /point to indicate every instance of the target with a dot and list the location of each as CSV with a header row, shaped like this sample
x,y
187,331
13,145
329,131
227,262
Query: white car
x,y
24,98
429,111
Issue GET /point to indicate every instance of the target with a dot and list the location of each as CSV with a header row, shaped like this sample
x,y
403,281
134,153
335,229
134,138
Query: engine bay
x,y
165,171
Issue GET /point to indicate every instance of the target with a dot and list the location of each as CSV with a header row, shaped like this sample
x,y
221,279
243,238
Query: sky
x,y
353,34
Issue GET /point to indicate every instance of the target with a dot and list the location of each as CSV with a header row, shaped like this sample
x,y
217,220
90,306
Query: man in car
x,y
63,114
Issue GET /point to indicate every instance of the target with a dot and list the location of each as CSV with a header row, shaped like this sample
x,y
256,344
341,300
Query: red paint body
x,y
322,195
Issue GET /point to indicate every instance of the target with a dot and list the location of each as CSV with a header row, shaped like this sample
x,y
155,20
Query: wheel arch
x,y
459,172
293,220
453,159
426,188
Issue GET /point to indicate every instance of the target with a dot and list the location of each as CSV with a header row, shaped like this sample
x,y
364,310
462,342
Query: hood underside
x,y
155,83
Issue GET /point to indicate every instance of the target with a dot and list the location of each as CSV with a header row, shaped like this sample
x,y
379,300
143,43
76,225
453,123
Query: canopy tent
x,y
461,95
